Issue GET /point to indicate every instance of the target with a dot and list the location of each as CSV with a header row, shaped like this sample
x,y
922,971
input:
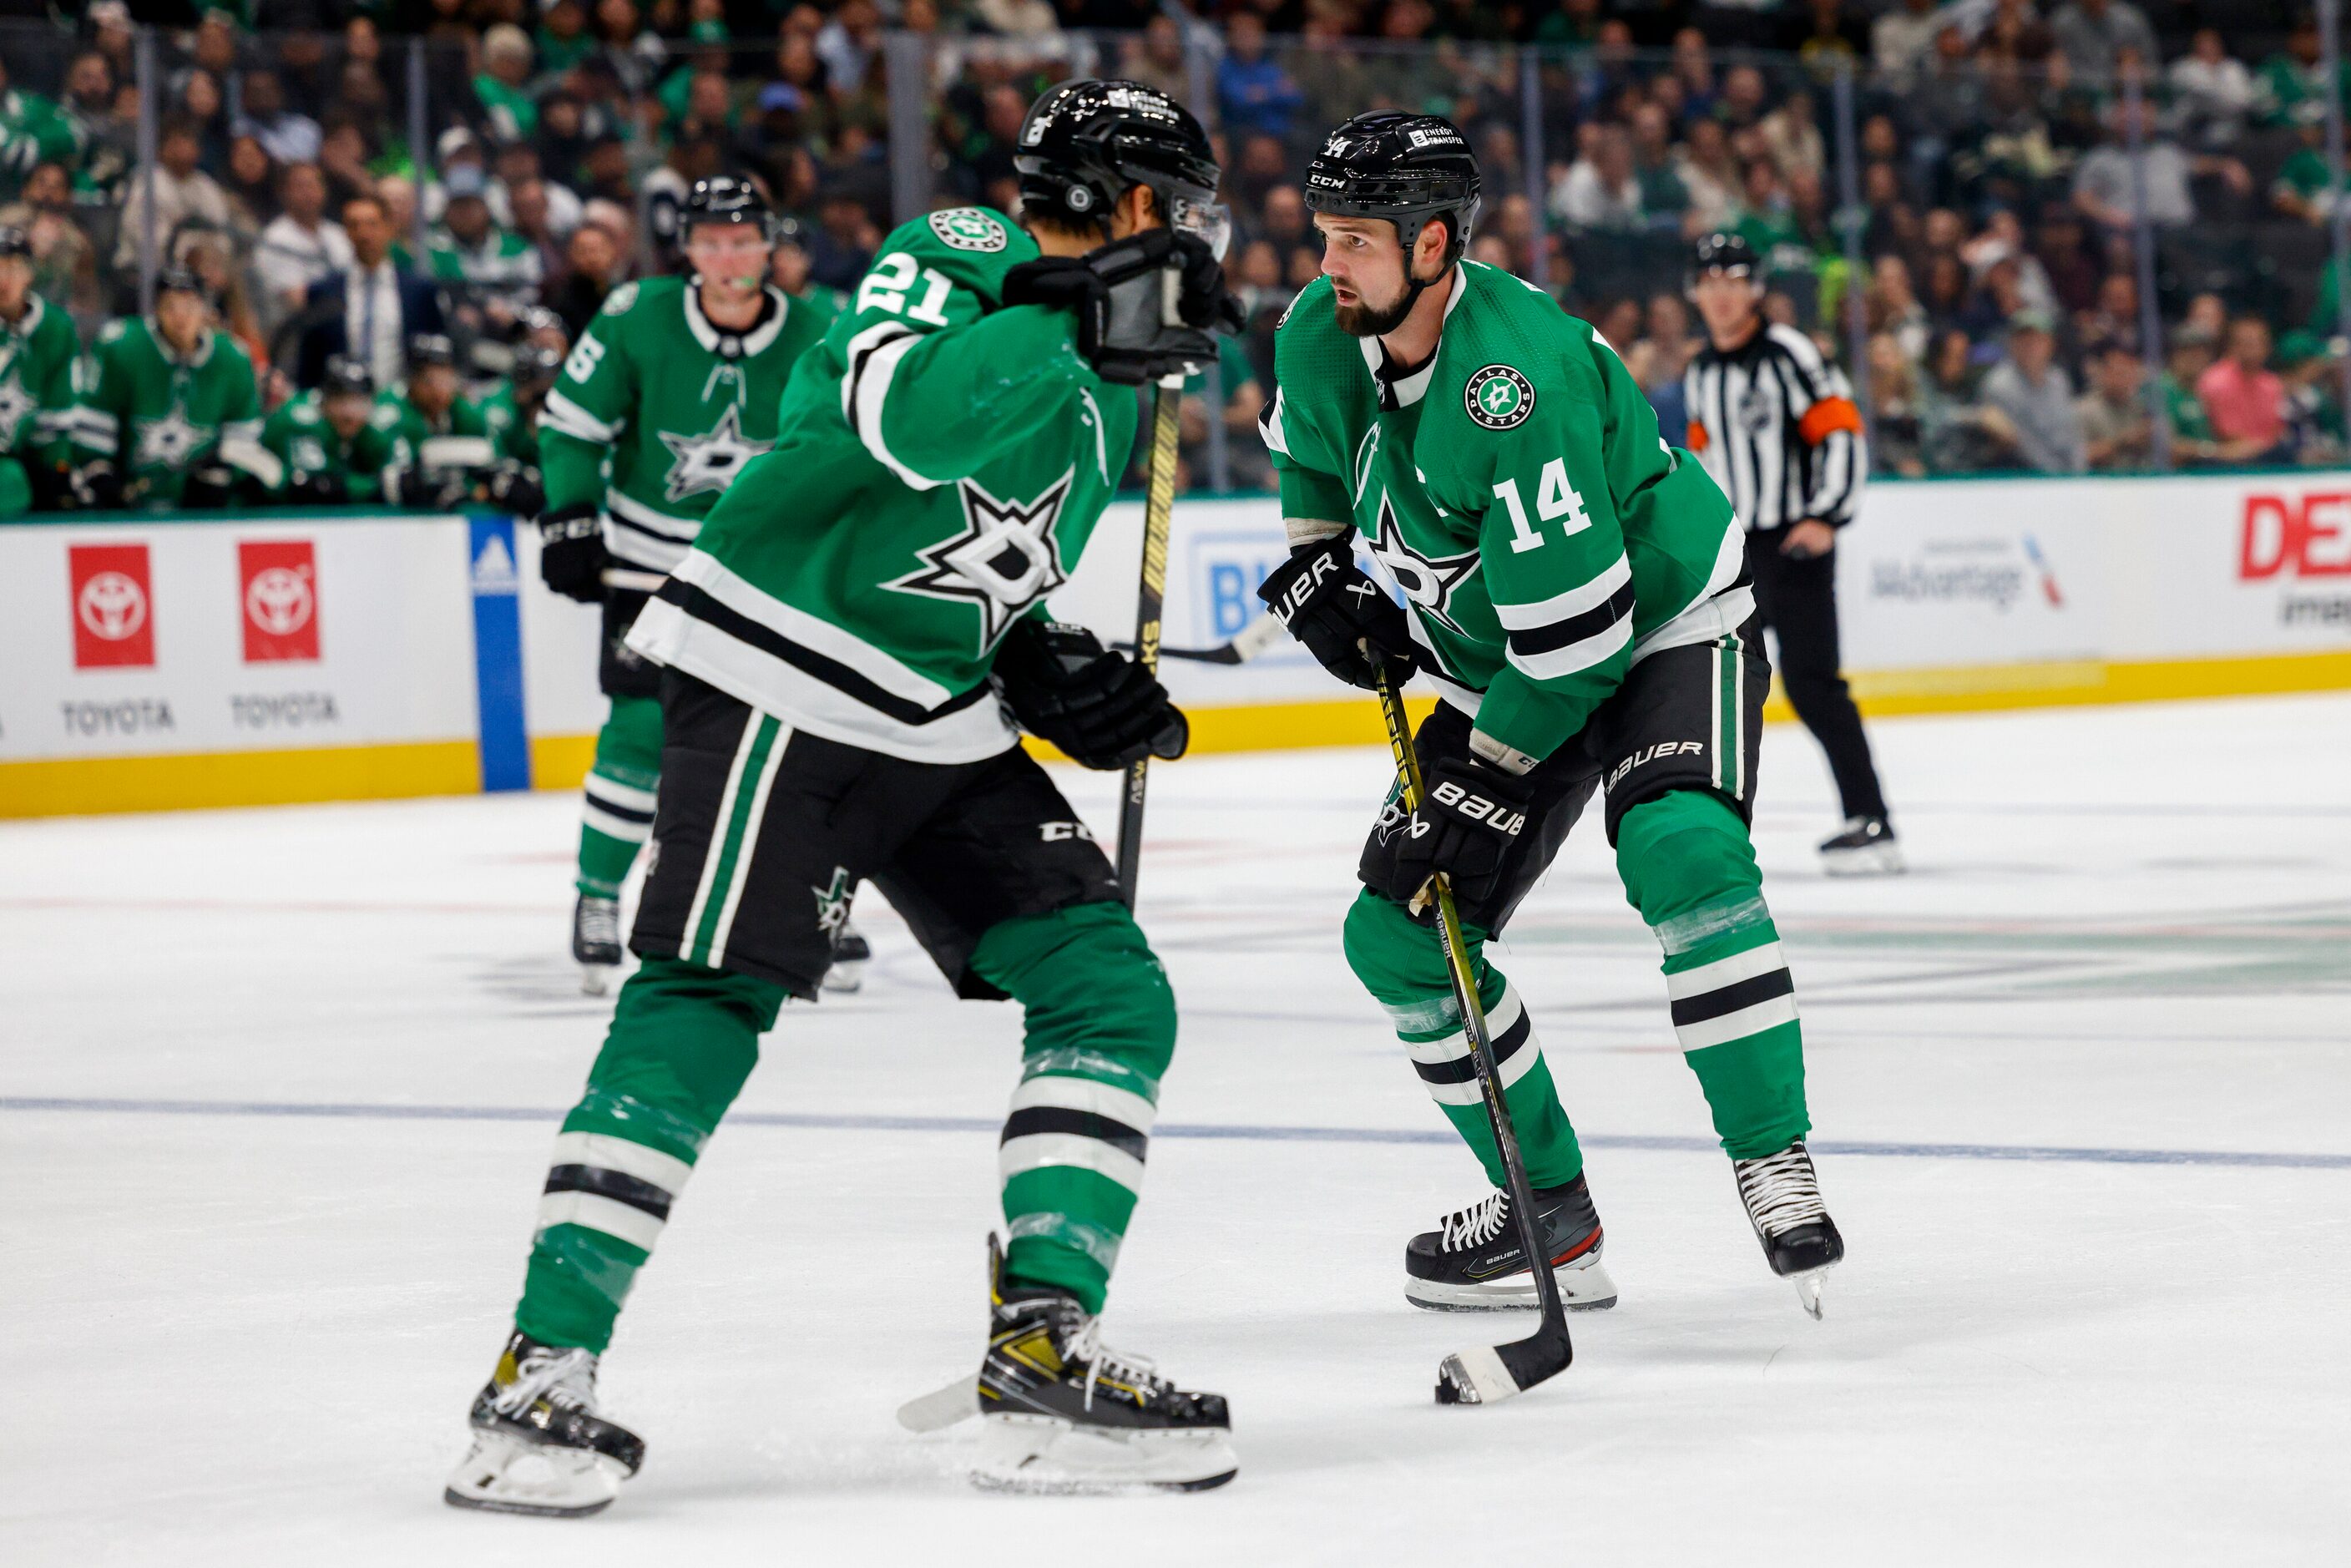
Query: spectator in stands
x,y
2030,389
1894,310
1901,38
2090,34
1253,92
1157,60
2291,88
509,111
288,136
1766,219
2116,431
65,262
2245,399
2213,94
1895,425
494,275
181,191
1663,196
2192,354
250,183
2115,318
2304,188
1709,174
301,244
369,308
1793,139
1599,190
2104,181
1958,434
592,266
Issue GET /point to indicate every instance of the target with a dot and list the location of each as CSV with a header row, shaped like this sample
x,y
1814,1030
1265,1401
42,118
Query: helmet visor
x,y
1208,219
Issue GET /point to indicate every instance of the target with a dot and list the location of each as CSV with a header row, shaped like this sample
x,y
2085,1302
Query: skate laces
x,y
1780,1190
564,1376
600,920
1139,1373
1474,1225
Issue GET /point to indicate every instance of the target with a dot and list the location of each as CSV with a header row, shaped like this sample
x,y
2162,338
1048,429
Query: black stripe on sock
x,y
1730,998
1463,1069
1034,1119
614,808
615,1185
699,604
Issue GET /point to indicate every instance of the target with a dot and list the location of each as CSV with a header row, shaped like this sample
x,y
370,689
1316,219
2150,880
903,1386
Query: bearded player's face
x,y
1365,260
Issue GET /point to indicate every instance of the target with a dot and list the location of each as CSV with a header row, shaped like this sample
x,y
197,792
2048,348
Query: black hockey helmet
x,y
1409,169
347,374
15,241
1086,143
1725,252
535,364
430,349
181,278
724,199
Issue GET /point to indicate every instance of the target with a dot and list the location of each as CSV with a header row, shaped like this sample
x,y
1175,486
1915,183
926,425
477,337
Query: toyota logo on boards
x,y
112,592
280,578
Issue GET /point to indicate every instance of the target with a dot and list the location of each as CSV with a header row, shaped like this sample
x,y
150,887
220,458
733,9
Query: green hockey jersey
x,y
34,130
677,405
1516,489
154,414
504,264
299,437
510,433
940,464
37,392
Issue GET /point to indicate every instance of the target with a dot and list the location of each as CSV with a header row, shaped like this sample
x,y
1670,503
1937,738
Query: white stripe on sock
x,y
597,1212
1724,972
1723,1030
1038,1150
607,1152
1120,1105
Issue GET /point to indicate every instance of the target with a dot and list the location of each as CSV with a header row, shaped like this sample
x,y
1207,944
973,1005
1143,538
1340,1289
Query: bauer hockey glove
x,y
1102,708
1465,827
1345,620
572,554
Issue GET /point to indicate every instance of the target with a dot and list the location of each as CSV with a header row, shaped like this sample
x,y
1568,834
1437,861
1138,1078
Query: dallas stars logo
x,y
711,461
832,902
168,441
1499,397
1003,561
1427,582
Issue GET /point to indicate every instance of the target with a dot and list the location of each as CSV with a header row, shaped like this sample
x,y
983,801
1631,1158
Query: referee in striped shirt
x,y
1776,426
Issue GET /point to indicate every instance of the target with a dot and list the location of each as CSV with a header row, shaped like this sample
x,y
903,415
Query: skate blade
x,y
1584,1287
505,1475
1047,1456
1876,860
1808,1289
595,979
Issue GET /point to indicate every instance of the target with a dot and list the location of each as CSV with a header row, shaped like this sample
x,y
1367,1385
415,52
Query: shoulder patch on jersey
x,y
617,303
113,332
1499,397
968,228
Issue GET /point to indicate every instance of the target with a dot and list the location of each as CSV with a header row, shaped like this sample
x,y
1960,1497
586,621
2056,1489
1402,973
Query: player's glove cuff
x,y
1102,708
1346,621
572,554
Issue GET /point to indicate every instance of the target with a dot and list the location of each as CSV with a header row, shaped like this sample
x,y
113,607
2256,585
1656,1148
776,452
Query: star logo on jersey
x,y
16,404
1498,398
709,462
1003,561
1428,582
832,902
168,441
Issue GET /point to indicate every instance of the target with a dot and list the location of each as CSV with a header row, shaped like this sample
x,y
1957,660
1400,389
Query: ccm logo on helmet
x,y
1479,808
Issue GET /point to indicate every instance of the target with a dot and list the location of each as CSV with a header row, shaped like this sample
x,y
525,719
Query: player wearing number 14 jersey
x,y
1576,591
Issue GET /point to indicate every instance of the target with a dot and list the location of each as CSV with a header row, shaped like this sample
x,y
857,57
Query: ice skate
x,y
1784,1202
539,1447
851,953
1865,847
1062,1413
1472,1262
596,942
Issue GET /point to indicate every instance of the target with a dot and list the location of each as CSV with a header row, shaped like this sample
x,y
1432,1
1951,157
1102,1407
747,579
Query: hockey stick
x,y
1251,640
1150,598
1485,1375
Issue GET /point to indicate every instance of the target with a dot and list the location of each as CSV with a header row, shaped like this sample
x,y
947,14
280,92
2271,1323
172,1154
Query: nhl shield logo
x,y
968,228
1498,398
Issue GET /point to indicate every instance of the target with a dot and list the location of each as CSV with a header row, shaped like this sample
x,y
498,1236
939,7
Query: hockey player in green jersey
x,y
172,417
1575,590
333,442
842,642
679,382
37,351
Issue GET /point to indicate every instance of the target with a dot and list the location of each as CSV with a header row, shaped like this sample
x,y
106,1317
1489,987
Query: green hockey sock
x,y
617,806
1402,963
683,1041
1100,1031
1689,866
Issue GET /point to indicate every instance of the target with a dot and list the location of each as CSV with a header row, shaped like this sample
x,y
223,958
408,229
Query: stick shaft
x,y
1473,1023
1150,598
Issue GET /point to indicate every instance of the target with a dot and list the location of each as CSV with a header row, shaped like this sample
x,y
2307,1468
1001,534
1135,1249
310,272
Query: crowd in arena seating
x,y
1998,159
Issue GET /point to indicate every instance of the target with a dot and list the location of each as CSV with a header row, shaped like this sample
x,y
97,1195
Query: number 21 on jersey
x,y
886,287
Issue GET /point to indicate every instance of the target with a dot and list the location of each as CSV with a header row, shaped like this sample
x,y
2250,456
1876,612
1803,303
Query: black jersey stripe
x,y
700,604
1463,1069
1590,624
1730,998
857,372
1031,1119
618,1185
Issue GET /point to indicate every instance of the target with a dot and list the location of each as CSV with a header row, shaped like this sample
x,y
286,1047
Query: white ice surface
x,y
236,1338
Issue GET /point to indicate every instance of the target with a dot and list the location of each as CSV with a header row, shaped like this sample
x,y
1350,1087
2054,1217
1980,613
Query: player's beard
x,y
1364,320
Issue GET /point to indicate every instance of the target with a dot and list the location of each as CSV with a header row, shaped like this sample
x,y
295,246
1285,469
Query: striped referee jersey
x,y
1776,427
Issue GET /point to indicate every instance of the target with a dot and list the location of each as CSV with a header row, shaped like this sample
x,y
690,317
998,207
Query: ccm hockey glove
x,y
1345,619
1472,819
1102,708
572,554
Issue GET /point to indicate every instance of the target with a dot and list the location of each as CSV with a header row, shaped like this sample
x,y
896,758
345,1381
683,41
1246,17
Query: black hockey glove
x,y
1345,619
1144,304
307,489
96,486
1470,819
513,486
209,487
572,554
1102,708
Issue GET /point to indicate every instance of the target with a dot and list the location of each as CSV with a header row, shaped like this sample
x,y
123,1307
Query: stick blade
x,y
1489,1375
942,1407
